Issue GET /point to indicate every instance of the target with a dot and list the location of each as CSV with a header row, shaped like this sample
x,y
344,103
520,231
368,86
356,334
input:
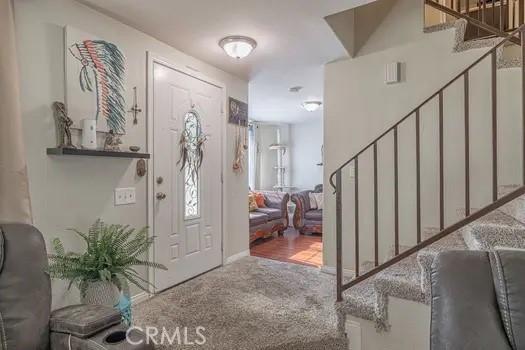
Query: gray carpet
x,y
251,304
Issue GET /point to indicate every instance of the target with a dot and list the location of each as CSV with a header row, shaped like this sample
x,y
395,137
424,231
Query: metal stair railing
x,y
414,115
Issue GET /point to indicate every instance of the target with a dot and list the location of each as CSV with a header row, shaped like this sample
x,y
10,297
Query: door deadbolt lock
x,y
161,196
160,180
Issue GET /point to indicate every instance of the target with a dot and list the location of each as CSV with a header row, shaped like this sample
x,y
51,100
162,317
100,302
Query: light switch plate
x,y
125,196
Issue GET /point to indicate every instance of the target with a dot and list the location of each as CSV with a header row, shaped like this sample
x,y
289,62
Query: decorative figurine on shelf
x,y
63,125
112,142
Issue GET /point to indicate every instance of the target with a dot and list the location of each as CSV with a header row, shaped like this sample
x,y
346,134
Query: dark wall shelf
x,y
95,153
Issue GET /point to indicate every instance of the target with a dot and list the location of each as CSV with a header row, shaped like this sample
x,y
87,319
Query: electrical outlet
x,y
125,196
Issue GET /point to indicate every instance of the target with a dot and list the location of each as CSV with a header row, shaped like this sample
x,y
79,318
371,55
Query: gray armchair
x,y
478,301
26,320
306,219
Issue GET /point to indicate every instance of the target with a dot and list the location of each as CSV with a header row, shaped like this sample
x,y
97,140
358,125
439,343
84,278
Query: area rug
x,y
253,303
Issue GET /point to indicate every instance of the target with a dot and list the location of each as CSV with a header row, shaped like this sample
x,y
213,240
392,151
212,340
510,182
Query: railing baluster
x,y
376,211
494,13
484,12
356,184
418,176
501,20
479,16
494,128
521,13
522,35
467,144
339,234
396,193
441,166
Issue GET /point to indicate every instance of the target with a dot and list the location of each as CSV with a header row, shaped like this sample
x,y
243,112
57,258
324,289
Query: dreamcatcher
x,y
241,146
191,145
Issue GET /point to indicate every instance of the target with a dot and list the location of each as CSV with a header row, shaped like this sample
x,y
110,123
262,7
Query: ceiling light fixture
x,y
311,106
237,46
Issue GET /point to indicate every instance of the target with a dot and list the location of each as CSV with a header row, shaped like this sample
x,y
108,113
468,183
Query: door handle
x,y
161,196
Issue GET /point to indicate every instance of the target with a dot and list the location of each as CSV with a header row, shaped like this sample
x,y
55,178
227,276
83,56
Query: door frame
x,y
151,60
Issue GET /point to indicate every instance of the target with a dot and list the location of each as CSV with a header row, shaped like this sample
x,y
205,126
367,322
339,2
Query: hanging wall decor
x,y
95,72
238,112
191,144
241,146
135,110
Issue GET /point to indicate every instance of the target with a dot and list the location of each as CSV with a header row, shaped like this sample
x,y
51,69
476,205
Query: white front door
x,y
187,210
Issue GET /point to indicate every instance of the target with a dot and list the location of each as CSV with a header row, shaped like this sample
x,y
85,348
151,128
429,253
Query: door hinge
x,y
222,178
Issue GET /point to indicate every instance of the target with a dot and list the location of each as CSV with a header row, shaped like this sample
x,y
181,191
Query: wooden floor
x,y
292,247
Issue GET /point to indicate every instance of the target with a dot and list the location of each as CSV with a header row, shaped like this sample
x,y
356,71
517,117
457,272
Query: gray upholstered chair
x,y
26,320
478,301
306,219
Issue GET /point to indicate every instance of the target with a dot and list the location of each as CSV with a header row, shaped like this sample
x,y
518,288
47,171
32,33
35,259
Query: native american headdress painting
x,y
102,73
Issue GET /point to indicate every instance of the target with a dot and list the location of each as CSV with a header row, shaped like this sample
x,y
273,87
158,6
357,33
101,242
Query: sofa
x,y
478,300
273,218
305,218
26,319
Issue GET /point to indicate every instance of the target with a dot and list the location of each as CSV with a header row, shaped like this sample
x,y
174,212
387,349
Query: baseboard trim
x,y
237,256
331,270
138,298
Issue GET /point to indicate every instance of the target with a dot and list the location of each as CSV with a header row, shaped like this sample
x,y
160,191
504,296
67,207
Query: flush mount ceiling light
x,y
237,46
311,106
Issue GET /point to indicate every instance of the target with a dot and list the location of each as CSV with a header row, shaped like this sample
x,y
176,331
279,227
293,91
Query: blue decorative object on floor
x,y
124,306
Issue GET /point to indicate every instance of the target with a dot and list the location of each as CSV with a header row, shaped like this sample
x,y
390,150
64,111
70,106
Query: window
x,y
252,156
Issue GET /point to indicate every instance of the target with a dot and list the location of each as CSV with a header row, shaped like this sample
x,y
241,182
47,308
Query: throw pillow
x,y
252,204
313,201
319,200
259,198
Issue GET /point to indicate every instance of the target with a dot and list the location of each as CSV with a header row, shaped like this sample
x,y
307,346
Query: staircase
x,y
486,18
405,274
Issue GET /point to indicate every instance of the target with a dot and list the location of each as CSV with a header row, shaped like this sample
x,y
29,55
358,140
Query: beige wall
x,y
74,191
359,106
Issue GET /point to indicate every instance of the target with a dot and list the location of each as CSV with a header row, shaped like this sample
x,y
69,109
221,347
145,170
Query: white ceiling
x,y
294,42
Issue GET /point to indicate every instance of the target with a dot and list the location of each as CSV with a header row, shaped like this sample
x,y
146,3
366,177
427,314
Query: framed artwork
x,y
238,112
95,80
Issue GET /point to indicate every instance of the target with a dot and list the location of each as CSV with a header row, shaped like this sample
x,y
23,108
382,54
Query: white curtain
x,y
15,204
252,156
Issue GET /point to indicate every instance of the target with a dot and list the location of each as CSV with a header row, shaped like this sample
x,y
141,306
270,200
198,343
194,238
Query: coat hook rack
x,y
135,109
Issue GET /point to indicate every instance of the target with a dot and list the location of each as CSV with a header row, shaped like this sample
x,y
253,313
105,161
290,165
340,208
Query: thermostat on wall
x,y
393,73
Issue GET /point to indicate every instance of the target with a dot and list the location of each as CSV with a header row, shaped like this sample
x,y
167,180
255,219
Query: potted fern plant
x,y
107,266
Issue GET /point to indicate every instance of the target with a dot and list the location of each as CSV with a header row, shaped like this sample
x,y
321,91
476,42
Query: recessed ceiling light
x,y
311,106
237,46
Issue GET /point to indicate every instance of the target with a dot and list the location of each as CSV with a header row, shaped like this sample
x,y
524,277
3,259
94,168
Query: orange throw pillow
x,y
252,204
259,198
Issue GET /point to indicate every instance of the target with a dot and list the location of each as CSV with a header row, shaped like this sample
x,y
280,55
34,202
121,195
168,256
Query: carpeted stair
x,y
505,60
410,278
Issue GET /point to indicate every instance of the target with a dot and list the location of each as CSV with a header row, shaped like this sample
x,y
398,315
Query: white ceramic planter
x,y
101,293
